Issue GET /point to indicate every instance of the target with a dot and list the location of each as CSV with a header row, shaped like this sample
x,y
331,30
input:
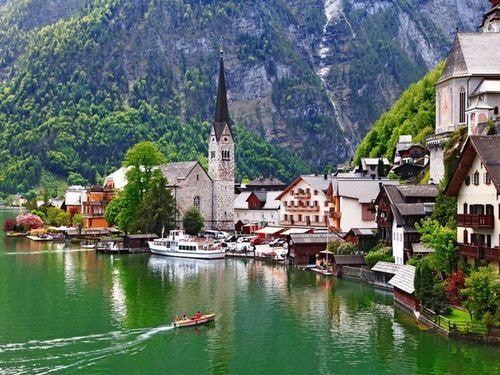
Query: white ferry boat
x,y
179,244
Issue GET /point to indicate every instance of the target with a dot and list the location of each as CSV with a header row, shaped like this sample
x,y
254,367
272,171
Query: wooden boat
x,y
178,244
194,321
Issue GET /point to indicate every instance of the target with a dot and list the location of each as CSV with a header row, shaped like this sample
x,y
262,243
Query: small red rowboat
x,y
194,321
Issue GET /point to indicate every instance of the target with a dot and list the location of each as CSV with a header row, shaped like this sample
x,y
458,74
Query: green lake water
x,y
72,311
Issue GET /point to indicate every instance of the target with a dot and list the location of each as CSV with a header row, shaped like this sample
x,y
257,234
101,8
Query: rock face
x,y
308,75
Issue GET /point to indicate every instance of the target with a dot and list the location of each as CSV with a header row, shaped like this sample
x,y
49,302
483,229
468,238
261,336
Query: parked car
x,y
277,242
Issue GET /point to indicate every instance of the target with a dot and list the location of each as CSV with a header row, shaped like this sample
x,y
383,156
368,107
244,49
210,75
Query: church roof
x,y
473,54
487,86
221,107
176,171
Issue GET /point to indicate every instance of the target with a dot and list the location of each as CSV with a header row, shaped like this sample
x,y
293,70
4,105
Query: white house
x,y
259,207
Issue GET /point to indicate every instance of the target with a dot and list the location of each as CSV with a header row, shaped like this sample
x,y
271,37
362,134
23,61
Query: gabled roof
x,y
365,190
317,182
176,171
487,86
313,238
269,197
362,232
472,54
264,181
486,147
271,202
240,201
478,103
404,279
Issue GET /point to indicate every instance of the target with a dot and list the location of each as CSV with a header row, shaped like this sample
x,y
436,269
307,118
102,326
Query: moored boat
x,y
179,244
194,321
41,237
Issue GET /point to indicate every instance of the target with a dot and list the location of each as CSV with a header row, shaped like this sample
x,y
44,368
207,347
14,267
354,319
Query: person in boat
x,y
198,315
177,318
184,316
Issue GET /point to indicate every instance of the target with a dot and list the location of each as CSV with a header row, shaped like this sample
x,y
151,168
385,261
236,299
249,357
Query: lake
x,y
69,310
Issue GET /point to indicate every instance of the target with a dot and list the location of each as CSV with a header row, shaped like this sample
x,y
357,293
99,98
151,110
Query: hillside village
x,y
376,205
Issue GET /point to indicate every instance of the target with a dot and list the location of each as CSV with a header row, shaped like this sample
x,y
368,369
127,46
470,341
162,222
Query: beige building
x,y
468,91
476,184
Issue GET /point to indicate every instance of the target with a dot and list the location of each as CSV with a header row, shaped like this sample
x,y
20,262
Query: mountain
x,y
82,80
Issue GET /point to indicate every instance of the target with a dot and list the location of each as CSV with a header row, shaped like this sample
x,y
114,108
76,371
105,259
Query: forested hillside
x,y
413,113
83,80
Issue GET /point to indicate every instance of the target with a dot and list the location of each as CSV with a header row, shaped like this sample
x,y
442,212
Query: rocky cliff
x,y
311,76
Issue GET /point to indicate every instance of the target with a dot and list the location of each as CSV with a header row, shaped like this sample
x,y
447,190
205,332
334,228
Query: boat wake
x,y
48,356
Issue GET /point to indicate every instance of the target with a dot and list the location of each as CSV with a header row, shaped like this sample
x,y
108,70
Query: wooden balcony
x,y
475,221
302,208
302,195
492,253
474,251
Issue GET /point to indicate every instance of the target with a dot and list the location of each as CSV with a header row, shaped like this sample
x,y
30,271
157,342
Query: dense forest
x,y
64,110
413,113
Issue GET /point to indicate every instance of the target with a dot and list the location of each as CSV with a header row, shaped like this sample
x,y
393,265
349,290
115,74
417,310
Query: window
x,y
197,177
196,202
487,178
461,116
466,236
316,218
475,178
495,110
300,218
285,217
286,203
326,203
465,208
226,155
315,192
467,180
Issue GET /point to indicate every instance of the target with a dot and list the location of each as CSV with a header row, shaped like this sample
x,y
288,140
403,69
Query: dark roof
x,y
349,259
221,107
363,232
263,181
486,147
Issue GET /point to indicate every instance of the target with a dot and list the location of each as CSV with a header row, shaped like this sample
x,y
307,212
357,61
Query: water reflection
x,y
181,269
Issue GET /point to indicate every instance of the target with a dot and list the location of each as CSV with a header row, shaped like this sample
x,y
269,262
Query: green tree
x,y
156,212
113,209
443,240
193,221
142,161
76,179
78,221
428,288
482,290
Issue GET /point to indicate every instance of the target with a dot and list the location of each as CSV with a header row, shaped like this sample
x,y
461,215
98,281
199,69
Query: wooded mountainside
x,y
83,80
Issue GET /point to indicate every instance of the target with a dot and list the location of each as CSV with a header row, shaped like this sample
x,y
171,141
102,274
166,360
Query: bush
x,y
9,225
374,256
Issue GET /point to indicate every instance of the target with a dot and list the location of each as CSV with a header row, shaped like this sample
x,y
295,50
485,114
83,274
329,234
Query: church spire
x,y
221,108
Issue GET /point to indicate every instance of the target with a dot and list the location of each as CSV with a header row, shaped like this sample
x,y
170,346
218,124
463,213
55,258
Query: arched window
x,y
196,202
466,236
461,116
465,208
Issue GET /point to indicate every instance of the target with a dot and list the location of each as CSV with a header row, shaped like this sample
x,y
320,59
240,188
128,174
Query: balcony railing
x,y
302,195
475,221
491,253
91,215
474,251
302,208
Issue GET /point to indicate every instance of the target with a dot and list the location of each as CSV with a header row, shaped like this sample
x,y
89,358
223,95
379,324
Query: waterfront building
x,y
74,197
476,184
98,198
305,202
352,202
468,90
399,207
258,207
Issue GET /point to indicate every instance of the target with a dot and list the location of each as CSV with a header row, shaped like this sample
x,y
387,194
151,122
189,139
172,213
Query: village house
x,y
476,184
74,197
468,90
352,202
258,207
373,167
399,207
409,158
305,202
93,208
264,184
304,248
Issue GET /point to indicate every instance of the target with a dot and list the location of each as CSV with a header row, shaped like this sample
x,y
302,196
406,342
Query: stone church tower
x,y
221,160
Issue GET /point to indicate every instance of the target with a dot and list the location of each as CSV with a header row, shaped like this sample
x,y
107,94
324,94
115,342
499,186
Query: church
x,y
211,193
468,90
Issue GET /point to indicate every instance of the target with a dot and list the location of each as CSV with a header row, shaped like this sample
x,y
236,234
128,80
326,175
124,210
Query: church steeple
x,y
221,108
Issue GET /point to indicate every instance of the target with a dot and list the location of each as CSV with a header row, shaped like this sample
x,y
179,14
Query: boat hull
x,y
194,322
189,254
